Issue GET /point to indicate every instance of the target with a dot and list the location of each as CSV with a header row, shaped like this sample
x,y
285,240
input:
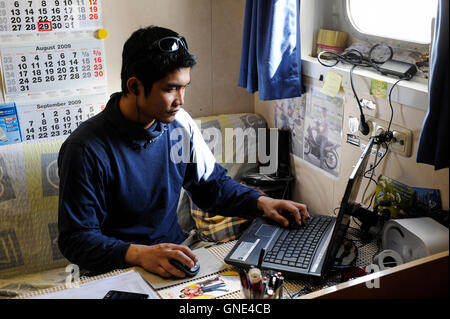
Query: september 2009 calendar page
x,y
53,119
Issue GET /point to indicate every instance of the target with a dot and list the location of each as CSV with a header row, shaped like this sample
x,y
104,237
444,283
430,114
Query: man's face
x,y
165,98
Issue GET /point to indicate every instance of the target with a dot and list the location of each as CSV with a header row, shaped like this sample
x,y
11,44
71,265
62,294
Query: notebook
x,y
263,241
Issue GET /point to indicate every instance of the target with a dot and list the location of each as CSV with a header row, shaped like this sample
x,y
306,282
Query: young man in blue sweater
x,y
121,172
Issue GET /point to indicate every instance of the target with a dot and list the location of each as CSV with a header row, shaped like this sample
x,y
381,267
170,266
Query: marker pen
x,y
245,283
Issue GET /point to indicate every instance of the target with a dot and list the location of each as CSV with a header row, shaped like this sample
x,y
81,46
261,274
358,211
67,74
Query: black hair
x,y
142,59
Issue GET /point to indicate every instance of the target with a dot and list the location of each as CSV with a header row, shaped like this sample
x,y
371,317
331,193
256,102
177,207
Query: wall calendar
x,y
53,66
49,120
40,16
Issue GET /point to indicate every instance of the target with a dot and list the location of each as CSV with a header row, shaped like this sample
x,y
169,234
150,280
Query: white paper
x,y
130,281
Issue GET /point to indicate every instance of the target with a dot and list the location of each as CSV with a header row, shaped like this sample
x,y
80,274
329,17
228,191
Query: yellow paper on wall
x,y
378,88
332,84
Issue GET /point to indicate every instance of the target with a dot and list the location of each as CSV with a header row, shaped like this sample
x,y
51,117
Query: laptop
x,y
321,237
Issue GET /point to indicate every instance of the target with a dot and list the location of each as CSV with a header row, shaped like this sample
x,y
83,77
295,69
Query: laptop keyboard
x,y
295,247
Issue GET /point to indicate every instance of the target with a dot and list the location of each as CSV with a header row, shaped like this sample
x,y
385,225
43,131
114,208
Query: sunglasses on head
x,y
171,44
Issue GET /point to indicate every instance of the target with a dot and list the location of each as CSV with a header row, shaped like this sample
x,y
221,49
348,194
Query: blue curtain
x,y
433,141
271,56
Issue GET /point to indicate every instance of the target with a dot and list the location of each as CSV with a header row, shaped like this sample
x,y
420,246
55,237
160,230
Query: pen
x,y
279,290
261,256
265,281
245,283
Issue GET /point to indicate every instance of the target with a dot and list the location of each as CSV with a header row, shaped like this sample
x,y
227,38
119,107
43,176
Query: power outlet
x,y
402,137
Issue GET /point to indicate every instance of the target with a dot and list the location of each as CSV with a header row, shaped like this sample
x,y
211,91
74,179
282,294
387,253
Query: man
x,y
121,173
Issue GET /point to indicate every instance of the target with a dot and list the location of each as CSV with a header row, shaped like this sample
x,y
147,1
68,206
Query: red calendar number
x,y
45,26
93,9
98,67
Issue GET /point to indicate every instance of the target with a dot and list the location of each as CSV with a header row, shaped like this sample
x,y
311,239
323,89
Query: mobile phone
x,y
116,294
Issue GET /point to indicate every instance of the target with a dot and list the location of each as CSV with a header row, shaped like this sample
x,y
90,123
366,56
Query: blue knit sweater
x,y
120,184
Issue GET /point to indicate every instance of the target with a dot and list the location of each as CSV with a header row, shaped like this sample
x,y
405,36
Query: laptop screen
x,y
343,218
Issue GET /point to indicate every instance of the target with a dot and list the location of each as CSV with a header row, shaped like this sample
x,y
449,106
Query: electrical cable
x,y
373,169
356,58
390,101
371,176
385,137
363,126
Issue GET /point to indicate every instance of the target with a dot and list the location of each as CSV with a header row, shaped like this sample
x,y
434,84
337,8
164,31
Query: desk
x,y
292,286
423,278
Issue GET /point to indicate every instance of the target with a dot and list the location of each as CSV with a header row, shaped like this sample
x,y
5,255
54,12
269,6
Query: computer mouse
x,y
190,272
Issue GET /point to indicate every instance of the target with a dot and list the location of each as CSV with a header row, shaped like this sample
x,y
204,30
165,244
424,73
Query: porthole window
x,y
406,20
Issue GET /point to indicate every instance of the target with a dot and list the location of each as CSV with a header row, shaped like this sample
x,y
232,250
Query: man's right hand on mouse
x,y
156,258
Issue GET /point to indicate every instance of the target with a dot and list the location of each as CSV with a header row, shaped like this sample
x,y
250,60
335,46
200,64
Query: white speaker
x,y
415,238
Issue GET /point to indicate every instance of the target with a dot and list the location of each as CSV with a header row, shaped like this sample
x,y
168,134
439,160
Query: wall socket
x,y
402,142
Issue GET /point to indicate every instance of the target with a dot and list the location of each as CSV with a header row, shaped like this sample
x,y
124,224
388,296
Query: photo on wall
x,y
323,131
290,115
315,123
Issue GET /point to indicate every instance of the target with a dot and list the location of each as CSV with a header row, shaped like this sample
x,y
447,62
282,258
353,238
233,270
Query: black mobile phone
x,y
116,294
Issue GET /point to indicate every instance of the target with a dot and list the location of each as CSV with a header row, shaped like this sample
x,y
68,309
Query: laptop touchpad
x,y
266,231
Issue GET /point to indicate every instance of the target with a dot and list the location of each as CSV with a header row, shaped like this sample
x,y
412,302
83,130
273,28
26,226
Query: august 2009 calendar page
x,y
52,66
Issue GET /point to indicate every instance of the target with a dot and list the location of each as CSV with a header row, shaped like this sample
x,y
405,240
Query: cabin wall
x,y
213,29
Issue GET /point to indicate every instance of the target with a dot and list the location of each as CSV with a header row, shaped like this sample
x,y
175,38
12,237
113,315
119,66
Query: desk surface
x,y
426,277
366,252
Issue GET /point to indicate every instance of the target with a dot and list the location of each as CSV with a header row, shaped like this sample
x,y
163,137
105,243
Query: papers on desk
x,y
209,287
209,264
215,279
129,281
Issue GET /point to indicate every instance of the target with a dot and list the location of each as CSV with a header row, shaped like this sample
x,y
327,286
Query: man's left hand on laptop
x,y
273,209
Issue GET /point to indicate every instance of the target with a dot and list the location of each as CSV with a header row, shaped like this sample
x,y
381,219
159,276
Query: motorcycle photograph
x,y
312,145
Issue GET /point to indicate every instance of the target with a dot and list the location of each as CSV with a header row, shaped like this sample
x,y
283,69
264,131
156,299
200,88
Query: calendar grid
x,y
57,119
31,16
53,66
